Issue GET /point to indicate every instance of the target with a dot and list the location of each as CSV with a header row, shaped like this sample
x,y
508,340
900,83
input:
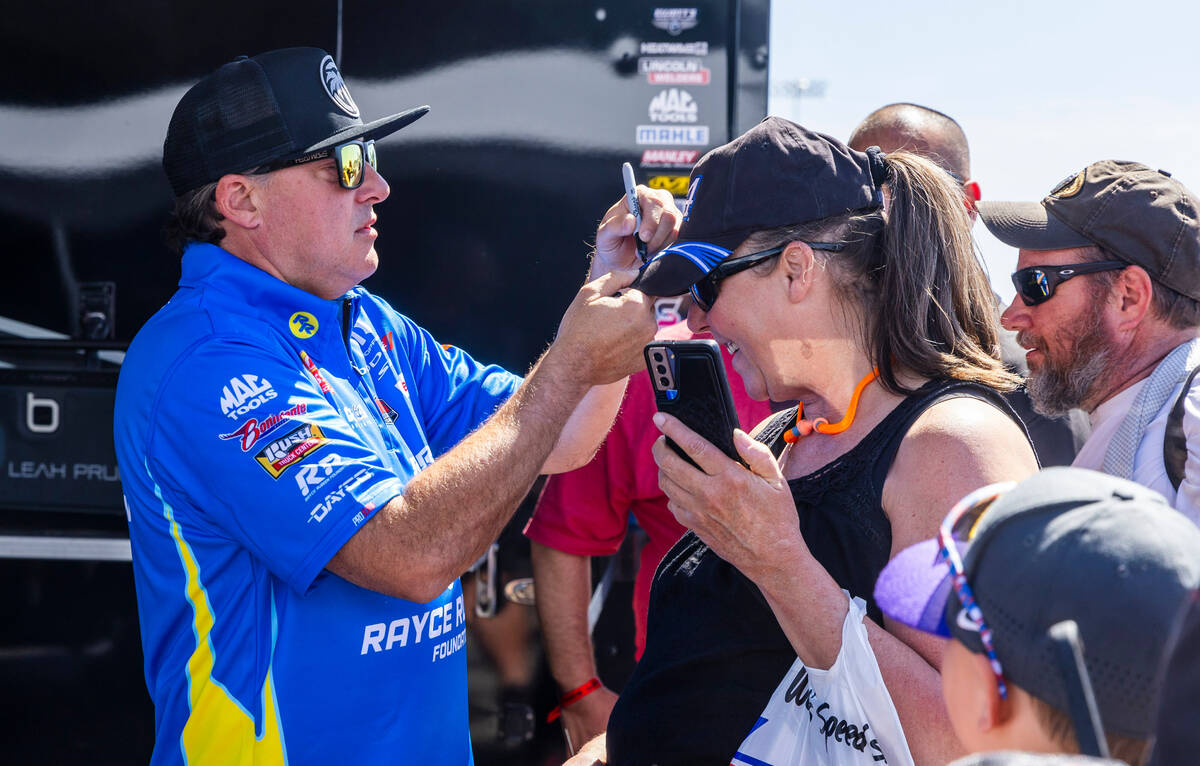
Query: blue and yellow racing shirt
x,y
258,427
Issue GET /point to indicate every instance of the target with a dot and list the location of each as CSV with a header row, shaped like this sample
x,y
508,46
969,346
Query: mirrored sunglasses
x,y
1036,284
351,158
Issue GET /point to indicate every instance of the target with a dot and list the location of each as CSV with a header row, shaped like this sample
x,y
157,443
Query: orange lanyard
x,y
821,425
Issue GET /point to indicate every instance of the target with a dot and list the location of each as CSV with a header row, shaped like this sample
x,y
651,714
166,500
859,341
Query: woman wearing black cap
x,y
878,318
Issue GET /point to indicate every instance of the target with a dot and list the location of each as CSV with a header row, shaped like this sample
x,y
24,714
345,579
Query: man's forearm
x,y
586,428
564,588
450,512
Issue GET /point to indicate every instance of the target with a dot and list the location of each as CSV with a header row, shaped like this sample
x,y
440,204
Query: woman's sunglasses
x,y
704,292
349,157
959,527
1037,284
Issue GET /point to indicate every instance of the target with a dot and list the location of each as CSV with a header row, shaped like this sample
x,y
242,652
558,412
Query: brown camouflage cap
x,y
1135,213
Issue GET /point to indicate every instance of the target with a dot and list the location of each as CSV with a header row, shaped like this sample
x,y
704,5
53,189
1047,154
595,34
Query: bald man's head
x,y
917,129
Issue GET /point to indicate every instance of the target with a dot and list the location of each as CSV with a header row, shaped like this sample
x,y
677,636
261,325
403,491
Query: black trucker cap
x,y
1140,215
279,104
776,174
1064,544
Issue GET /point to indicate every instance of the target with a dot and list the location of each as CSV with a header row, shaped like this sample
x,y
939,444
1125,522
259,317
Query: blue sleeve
x,y
454,392
242,435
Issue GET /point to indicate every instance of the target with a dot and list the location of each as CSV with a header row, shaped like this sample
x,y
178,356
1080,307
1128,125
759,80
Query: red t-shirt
x,y
586,512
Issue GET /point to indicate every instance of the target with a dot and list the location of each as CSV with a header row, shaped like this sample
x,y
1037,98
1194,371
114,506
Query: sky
x,y
1040,88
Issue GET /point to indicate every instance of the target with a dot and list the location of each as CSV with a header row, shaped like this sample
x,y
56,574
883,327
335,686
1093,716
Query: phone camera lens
x,y
664,381
657,356
662,370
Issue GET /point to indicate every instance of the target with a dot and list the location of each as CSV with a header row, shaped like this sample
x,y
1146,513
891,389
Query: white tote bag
x,y
843,716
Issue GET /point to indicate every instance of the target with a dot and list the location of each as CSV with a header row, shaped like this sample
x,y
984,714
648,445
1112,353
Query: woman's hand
x,y
583,720
747,517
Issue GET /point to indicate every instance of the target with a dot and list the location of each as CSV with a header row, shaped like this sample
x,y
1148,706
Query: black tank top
x,y
714,651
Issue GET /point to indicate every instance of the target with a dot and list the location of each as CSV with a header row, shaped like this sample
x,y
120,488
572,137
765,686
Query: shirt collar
x,y
1115,406
256,293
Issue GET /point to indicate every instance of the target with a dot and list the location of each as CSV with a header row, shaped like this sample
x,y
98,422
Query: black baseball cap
x,y
776,174
1139,215
276,105
1064,544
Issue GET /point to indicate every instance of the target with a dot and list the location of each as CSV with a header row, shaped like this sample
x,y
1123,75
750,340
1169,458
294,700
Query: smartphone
x,y
690,383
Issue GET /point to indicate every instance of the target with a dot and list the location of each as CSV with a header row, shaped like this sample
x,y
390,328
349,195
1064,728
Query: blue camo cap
x,y
1064,544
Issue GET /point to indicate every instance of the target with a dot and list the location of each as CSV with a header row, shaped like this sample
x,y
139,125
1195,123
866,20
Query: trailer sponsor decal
x,y
674,71
673,105
648,65
677,185
692,135
669,158
675,20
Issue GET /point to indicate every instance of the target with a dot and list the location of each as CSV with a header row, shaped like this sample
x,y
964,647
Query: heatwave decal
x,y
283,453
252,430
675,49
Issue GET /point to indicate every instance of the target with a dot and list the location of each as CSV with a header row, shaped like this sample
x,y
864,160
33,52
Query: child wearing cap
x,y
1064,544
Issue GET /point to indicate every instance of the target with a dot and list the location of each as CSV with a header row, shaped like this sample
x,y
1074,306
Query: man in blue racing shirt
x,y
306,470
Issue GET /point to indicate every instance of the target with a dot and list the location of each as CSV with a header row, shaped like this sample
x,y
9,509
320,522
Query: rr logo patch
x,y
303,325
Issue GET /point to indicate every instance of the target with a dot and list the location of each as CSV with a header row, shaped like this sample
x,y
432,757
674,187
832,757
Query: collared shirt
x,y
1148,467
258,427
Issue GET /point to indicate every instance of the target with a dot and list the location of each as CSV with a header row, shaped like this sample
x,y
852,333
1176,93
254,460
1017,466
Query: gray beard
x,y
1053,391
1060,386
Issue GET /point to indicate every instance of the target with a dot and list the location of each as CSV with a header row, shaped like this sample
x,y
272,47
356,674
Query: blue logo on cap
x,y
686,207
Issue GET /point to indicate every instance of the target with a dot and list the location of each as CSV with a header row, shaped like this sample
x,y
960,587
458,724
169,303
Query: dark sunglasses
x,y
704,292
349,157
1037,284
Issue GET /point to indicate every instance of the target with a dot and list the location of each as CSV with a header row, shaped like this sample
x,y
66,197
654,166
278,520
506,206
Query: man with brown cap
x,y
1121,341
938,136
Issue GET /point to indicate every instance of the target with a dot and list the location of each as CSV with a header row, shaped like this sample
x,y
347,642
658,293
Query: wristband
x,y
573,696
